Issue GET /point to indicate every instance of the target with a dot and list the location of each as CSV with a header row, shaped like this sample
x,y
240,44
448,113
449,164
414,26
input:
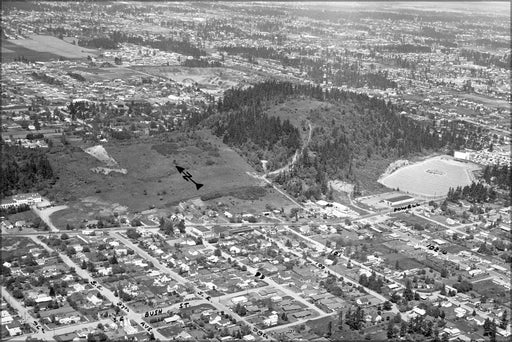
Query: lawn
x,y
490,290
404,262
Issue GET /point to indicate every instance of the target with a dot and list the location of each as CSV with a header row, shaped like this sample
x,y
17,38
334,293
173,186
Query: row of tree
x,y
476,192
487,59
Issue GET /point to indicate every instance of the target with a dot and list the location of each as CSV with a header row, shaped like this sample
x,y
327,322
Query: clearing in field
x,y
52,45
101,154
152,180
432,177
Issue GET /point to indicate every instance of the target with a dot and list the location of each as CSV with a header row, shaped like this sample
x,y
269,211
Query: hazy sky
x,y
496,7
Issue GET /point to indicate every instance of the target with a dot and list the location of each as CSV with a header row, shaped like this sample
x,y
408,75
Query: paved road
x,y
44,214
20,308
286,327
153,229
84,274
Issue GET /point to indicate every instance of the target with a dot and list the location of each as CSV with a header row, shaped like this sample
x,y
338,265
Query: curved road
x,y
44,214
295,156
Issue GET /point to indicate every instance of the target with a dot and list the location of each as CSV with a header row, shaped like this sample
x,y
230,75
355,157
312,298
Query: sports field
x,y
432,177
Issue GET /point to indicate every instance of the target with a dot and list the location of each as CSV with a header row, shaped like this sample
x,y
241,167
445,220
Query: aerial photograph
x,y
255,171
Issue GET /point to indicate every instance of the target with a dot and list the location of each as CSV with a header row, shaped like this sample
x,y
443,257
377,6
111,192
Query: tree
x,y
64,236
217,252
132,233
391,332
329,328
113,259
403,328
386,306
504,320
487,326
52,292
181,226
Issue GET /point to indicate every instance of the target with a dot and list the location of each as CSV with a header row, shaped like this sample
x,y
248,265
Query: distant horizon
x,y
497,7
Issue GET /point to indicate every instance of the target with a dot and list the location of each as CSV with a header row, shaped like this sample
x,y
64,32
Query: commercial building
x,y
399,200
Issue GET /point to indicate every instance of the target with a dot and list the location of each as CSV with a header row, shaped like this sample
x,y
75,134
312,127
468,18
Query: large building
x,y
21,199
399,200
202,232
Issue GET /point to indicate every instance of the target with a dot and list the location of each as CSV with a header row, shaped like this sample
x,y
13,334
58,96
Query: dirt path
x,y
295,156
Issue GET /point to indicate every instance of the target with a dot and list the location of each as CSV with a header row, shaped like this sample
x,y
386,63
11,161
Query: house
x,y
43,299
20,224
5,318
78,287
239,300
305,229
94,300
234,250
105,271
452,332
183,336
14,331
271,320
77,247
7,224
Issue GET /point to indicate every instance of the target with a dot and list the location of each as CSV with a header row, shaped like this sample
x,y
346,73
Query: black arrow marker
x,y
188,177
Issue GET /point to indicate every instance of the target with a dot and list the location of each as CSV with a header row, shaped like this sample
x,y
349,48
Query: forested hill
x,y
352,134
243,124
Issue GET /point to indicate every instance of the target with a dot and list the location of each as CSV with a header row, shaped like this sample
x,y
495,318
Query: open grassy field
x,y
152,180
432,177
491,290
295,110
43,48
